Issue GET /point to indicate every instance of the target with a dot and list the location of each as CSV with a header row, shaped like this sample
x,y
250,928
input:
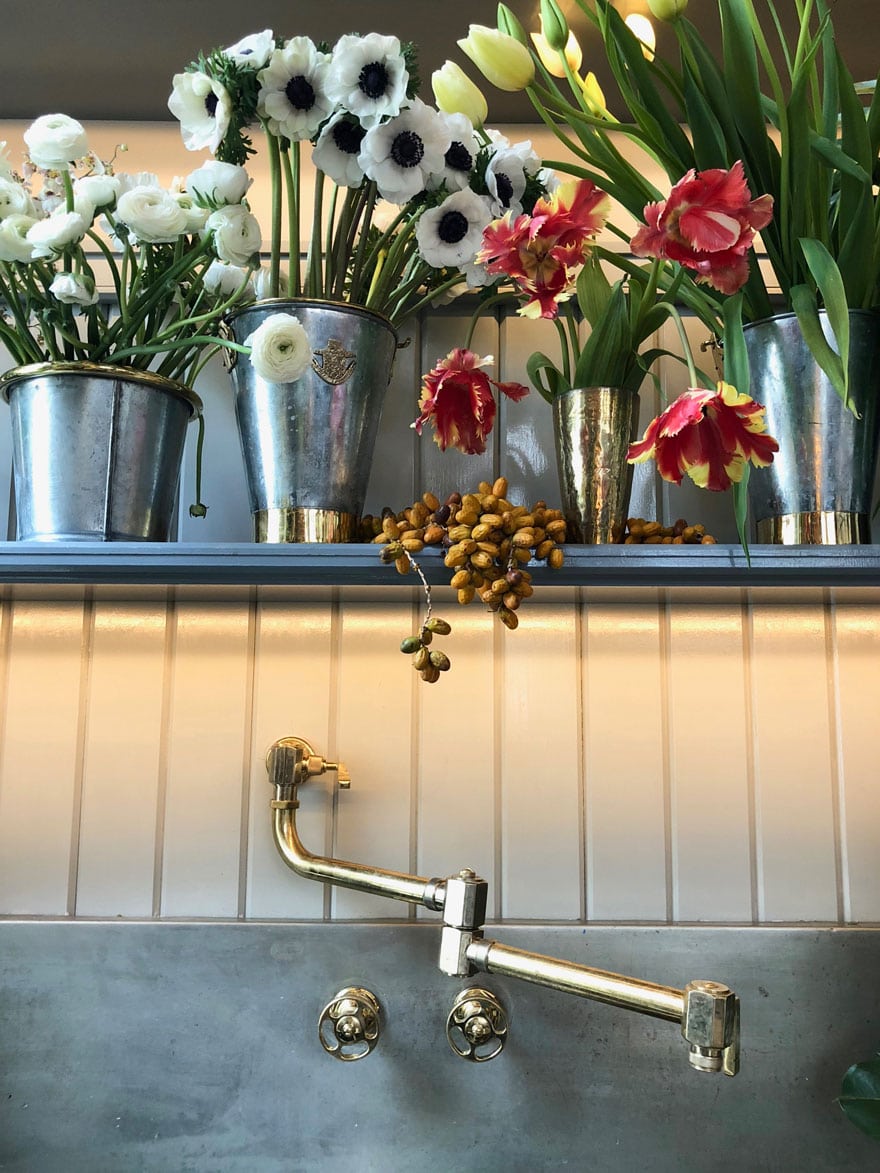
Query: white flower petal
x,y
54,141
401,154
254,50
368,76
203,108
450,235
280,349
293,92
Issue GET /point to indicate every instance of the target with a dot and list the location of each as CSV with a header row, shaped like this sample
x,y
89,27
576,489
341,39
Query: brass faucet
x,y
707,1011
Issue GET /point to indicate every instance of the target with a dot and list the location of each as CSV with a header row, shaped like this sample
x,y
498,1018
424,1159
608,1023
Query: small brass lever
x,y
311,764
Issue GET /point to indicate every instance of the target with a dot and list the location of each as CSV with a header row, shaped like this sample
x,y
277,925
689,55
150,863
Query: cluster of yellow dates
x,y
652,533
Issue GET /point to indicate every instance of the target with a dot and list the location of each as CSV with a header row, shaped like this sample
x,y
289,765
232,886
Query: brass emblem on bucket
x,y
336,363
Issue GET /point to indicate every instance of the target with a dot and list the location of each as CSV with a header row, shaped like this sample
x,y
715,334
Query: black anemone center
x,y
300,93
348,137
407,149
453,227
373,79
504,188
211,104
458,158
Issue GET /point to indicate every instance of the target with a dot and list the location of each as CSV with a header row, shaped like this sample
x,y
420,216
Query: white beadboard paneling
x,y
857,638
374,736
709,760
208,710
625,736
42,640
295,665
541,798
123,755
795,762
457,760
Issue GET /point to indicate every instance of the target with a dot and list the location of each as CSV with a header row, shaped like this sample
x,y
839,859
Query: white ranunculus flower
x,y
14,243
236,233
368,76
203,107
215,184
337,149
152,215
56,232
126,180
280,349
293,90
402,153
196,216
224,280
15,199
93,192
253,50
263,282
450,235
74,289
459,160
54,141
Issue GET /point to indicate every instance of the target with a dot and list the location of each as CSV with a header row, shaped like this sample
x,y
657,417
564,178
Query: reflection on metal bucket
x,y
96,451
308,445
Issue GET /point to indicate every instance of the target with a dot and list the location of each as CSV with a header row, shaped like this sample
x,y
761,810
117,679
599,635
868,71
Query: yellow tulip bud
x,y
668,10
455,93
550,58
502,61
594,97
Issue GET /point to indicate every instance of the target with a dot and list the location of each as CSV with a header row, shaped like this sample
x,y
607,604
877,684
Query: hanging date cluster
x,y
488,544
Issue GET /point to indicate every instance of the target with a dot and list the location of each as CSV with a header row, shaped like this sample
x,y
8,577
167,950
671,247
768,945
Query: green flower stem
x,y
563,347
274,152
163,347
329,256
365,217
290,166
314,284
693,378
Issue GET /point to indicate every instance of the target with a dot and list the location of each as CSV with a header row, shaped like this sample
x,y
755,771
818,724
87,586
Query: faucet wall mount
x,y
707,1011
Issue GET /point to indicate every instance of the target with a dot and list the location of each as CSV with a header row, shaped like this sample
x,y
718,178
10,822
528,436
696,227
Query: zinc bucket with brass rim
x,y
819,488
96,451
308,445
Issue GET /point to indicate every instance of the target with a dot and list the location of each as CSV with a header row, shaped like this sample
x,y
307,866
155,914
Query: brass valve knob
x,y
348,1028
477,1025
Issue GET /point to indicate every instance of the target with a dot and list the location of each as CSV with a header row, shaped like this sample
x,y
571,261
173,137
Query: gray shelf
x,y
359,565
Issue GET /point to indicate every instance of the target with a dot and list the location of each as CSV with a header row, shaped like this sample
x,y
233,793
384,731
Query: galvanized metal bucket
x,y
593,428
96,451
819,488
308,445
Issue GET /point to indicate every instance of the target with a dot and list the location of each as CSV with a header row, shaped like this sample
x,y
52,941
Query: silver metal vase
x,y
819,488
96,451
593,428
308,445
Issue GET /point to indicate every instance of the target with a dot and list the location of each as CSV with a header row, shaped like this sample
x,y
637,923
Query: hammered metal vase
x,y
593,428
819,488
308,445
96,451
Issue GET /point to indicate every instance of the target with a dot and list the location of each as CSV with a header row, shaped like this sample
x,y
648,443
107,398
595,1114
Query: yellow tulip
x,y
594,97
550,57
455,93
502,61
668,10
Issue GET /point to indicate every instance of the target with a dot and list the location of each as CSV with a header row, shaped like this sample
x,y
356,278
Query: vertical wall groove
x,y
579,609
749,736
667,761
844,904
247,763
82,721
164,735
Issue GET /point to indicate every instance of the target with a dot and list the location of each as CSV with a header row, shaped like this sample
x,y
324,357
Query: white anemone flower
x,y
54,141
254,50
216,184
337,149
506,173
280,349
15,199
74,289
203,108
451,234
400,155
459,160
236,233
56,232
152,215
224,280
293,90
14,243
368,76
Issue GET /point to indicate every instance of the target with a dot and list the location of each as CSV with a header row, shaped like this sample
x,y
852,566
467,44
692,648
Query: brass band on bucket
x,y
816,528
304,525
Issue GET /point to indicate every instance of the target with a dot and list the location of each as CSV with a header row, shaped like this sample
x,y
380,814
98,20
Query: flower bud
x,y
594,97
455,93
509,24
668,10
554,26
503,61
550,58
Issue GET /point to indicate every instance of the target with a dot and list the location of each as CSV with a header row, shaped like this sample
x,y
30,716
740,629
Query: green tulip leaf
x,y
860,1096
545,376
